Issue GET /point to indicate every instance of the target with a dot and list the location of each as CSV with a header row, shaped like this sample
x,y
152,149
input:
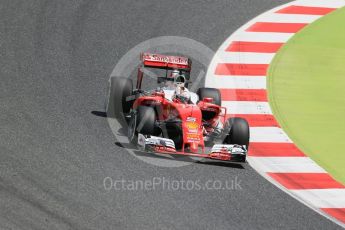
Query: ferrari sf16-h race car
x,y
172,120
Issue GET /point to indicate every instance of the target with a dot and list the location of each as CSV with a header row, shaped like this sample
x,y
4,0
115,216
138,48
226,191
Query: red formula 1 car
x,y
170,119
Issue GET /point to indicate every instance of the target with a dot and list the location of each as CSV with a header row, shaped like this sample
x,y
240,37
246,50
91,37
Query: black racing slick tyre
x,y
142,121
212,93
174,132
238,132
120,89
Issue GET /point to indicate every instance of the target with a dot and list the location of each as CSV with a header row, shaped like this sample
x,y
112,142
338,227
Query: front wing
x,y
224,152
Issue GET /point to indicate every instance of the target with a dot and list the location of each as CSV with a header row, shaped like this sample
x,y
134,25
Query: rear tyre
x,y
238,132
212,93
120,89
142,121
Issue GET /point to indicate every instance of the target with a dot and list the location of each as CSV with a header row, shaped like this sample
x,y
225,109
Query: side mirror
x,y
208,99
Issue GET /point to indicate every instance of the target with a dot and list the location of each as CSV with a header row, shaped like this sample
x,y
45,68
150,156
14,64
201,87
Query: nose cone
x,y
194,147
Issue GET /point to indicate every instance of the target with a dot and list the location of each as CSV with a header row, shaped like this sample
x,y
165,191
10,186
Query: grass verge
x,y
306,86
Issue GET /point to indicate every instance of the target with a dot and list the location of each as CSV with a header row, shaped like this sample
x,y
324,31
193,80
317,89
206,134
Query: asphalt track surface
x,y
56,58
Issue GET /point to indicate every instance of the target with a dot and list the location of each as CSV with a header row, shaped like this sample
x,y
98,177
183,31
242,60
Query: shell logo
x,y
192,125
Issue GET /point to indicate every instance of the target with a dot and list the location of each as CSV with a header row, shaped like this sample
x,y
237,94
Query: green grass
x,y
306,84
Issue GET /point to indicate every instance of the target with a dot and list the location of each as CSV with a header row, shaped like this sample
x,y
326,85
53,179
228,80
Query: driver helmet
x,y
180,80
181,92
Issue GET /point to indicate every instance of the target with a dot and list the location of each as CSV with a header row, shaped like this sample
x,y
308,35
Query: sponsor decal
x,y
193,137
191,119
192,131
168,59
192,125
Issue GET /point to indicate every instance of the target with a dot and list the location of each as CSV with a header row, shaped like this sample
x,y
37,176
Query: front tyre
x,y
142,121
238,132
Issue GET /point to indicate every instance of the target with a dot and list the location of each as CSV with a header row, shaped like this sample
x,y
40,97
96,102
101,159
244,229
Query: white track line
x,y
289,18
287,164
322,198
258,37
247,107
268,134
244,57
236,82
320,3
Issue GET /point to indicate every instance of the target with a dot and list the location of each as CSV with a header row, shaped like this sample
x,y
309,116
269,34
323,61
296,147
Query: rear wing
x,y
166,62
